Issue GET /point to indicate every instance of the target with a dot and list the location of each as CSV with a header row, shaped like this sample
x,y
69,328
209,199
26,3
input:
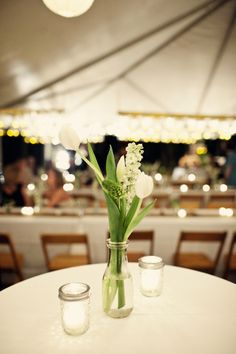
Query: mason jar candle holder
x,y
74,301
151,275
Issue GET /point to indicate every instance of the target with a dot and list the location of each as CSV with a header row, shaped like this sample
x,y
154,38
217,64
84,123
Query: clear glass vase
x,y
117,284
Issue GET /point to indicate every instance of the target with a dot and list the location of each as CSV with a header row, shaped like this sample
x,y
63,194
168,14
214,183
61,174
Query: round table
x,y
196,313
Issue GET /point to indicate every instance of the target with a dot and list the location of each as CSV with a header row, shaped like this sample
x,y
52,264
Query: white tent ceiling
x,y
174,57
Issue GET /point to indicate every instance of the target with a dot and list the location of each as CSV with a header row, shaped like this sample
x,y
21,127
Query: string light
x,y
226,212
68,187
201,150
223,187
26,140
191,177
206,188
33,140
183,188
44,177
31,187
182,213
69,177
27,211
43,127
158,177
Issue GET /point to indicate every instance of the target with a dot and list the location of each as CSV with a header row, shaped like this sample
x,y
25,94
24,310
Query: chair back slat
x,y
201,236
5,239
143,236
229,256
63,239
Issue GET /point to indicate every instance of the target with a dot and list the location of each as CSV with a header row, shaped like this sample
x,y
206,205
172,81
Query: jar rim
x,y
150,262
75,291
119,244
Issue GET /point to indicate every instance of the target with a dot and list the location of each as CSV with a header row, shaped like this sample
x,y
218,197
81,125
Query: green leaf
x,y
111,166
114,218
132,210
94,161
138,219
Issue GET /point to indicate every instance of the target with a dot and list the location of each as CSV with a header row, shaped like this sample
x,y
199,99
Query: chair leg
x,y
226,274
19,276
1,283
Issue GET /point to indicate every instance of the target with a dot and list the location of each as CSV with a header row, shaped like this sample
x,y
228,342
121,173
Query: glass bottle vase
x,y
117,284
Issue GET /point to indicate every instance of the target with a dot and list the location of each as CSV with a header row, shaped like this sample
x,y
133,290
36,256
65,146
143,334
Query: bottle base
x,y
119,313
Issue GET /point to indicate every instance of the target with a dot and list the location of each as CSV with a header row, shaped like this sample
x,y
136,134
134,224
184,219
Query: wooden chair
x,y
141,236
230,259
219,201
162,201
190,202
65,260
102,203
199,260
11,260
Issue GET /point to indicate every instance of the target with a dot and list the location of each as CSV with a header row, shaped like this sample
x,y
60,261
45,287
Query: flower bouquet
x,y
124,188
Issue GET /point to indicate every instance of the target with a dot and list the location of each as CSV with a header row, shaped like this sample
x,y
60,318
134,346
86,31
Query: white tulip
x,y
143,185
69,138
120,169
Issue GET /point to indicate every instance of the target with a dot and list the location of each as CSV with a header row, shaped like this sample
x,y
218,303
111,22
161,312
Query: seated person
x,y
230,168
14,192
188,163
55,194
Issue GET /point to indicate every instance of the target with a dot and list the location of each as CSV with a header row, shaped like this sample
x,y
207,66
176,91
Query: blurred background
x,y
164,77
158,72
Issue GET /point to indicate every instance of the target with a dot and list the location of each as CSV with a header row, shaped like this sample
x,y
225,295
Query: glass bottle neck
x,y
117,245
117,257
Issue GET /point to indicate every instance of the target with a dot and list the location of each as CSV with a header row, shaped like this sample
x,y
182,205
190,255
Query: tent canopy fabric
x,y
121,56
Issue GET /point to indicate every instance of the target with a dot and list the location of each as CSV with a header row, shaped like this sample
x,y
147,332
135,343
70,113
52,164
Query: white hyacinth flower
x,y
69,138
120,169
132,165
143,185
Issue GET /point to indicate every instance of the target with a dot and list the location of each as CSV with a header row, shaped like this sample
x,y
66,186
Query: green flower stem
x,y
128,230
109,293
114,285
120,282
116,264
98,173
121,294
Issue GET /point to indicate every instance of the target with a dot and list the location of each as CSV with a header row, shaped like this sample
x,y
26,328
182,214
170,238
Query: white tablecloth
x,y
26,231
196,314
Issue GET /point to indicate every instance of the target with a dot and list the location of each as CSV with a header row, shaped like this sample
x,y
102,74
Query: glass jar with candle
x,y
117,284
74,299
151,275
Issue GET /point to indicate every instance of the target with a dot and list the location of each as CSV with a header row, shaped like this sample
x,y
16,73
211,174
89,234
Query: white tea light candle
x,y
27,211
74,299
151,275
